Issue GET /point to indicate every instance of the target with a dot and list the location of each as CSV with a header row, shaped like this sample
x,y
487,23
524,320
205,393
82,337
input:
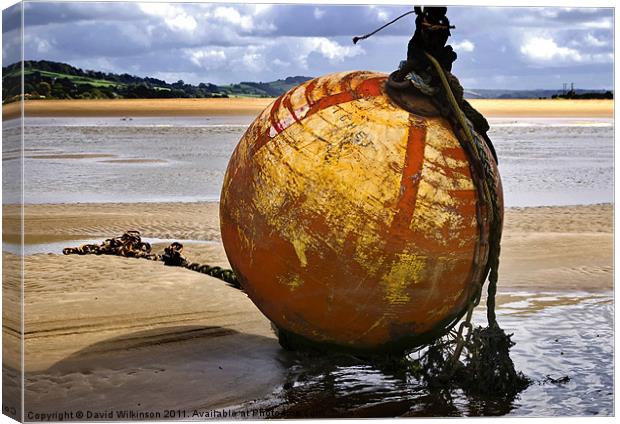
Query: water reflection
x,y
551,341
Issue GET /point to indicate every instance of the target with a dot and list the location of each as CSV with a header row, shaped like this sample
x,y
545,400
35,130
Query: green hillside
x,y
262,89
54,80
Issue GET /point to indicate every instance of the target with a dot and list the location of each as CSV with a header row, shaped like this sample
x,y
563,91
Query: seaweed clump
x,y
487,369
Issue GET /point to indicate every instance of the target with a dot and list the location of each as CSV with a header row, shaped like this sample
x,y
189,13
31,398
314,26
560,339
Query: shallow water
x,y
542,161
554,161
571,336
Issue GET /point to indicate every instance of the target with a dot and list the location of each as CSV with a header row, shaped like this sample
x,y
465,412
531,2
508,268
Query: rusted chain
x,y
130,245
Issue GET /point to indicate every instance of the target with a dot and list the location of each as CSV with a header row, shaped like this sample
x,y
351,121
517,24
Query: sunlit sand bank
x,y
251,106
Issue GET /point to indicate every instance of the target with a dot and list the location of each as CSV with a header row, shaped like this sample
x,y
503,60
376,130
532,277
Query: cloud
x,y
232,16
175,17
254,59
318,13
465,45
540,48
545,49
327,48
281,63
44,13
382,15
207,59
593,41
604,23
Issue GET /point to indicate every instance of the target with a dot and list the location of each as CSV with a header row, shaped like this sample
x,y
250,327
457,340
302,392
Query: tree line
x,y
54,80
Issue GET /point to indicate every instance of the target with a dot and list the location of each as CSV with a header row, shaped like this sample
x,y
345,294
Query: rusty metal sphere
x,y
349,220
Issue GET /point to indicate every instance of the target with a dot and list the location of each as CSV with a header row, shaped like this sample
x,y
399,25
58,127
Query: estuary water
x,y
542,161
557,336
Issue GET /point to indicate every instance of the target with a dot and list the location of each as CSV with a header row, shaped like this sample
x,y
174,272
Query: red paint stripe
x,y
371,87
309,89
345,82
412,173
328,101
456,153
273,115
368,88
258,143
289,106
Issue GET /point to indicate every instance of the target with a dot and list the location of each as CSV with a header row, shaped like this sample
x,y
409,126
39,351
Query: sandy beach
x,y
253,106
104,330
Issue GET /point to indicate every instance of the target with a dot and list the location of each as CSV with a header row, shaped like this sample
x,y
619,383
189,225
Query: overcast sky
x,y
499,47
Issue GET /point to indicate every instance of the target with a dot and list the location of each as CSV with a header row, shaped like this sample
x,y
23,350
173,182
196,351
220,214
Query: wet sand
x,y
133,334
253,106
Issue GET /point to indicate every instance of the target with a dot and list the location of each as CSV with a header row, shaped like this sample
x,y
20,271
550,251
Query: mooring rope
x,y
488,370
363,37
488,194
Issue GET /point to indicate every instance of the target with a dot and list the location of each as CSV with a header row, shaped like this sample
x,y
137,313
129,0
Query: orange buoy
x,y
351,221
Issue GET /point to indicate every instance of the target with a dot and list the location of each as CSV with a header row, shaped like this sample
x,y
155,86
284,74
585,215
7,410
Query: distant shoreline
x,y
252,106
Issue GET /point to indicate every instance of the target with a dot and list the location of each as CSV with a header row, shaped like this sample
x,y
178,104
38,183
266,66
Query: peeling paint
x,y
406,271
300,247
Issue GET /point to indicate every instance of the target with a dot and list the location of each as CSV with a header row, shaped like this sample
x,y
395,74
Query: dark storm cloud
x,y
498,46
43,13
11,34
11,18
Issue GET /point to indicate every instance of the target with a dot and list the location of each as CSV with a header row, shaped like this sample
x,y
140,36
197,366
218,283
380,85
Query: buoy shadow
x,y
183,367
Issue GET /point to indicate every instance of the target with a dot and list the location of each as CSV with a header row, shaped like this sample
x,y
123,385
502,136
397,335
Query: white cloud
x,y
318,13
604,23
37,44
174,17
207,59
277,63
545,49
601,58
43,46
465,45
593,41
231,15
182,22
262,8
382,15
253,60
549,12
327,48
